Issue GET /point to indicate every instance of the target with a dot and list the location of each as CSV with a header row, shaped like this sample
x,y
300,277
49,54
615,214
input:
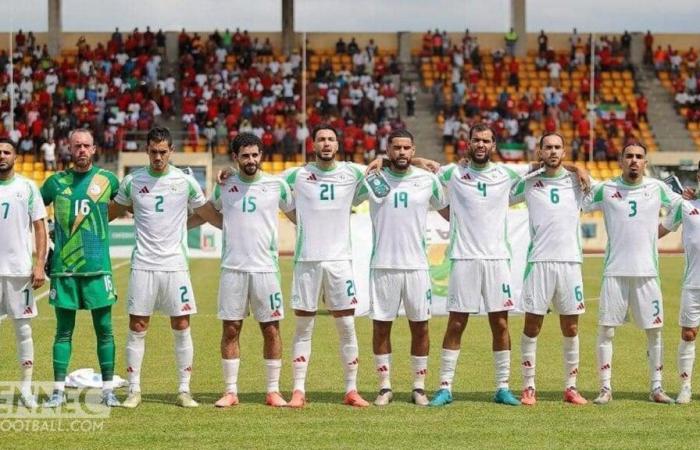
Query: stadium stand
x,y
114,88
545,91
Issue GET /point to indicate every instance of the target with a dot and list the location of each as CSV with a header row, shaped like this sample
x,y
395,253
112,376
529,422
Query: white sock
x,y
59,386
301,350
571,360
25,352
184,355
605,354
501,362
230,368
655,355
528,350
273,368
686,359
107,385
348,350
448,366
383,366
419,364
135,348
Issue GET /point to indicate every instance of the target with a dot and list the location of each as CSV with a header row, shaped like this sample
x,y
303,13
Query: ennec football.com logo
x,y
82,411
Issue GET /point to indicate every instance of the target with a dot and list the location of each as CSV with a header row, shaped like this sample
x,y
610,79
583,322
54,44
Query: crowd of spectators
x,y
232,84
472,88
113,88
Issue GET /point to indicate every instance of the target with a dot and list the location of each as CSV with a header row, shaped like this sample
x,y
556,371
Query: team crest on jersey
x,y
175,187
52,294
94,189
19,196
617,195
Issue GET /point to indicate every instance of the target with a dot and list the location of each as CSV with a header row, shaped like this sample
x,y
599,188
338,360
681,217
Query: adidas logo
x,y
354,362
694,212
382,369
580,307
444,383
27,363
617,195
660,368
353,301
28,310
574,372
605,367
539,184
187,369
508,302
312,177
422,372
186,307
466,176
130,369
527,363
684,375
299,359
233,189
276,313
144,190
657,321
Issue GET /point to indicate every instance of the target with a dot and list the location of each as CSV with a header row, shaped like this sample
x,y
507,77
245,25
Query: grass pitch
x,y
630,421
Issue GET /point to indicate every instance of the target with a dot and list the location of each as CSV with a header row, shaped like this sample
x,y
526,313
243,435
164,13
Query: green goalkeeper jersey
x,y
81,242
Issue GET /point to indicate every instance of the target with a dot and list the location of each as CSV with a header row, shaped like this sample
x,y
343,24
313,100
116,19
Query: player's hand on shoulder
x,y
375,166
223,175
689,193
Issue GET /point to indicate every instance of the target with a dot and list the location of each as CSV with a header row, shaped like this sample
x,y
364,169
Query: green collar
x,y
480,169
257,177
335,166
8,181
560,173
624,183
158,174
399,174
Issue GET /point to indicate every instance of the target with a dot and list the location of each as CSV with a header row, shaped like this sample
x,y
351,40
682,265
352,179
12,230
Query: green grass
x,y
630,421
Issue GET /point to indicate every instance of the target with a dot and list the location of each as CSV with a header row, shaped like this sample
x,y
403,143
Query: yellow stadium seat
x,y
277,166
289,165
266,166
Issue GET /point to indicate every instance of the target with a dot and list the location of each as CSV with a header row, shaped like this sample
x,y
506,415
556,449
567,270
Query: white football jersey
x,y
632,222
399,220
553,206
688,214
20,206
323,200
160,203
479,201
250,211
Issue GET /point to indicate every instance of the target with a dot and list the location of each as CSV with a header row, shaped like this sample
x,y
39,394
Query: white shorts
x,y
333,279
689,314
168,292
555,284
17,298
479,285
389,287
641,295
240,292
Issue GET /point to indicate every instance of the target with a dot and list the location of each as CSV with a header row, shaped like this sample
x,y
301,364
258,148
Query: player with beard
x,y
553,271
250,276
81,270
21,211
399,265
631,205
479,250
